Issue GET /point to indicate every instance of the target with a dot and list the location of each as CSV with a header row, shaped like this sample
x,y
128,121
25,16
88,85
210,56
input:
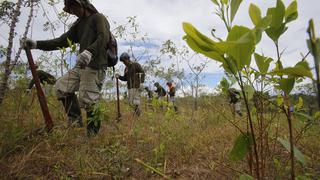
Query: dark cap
x,y
82,3
69,3
124,56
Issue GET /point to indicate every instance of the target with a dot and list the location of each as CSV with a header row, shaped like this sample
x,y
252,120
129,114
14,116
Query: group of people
x,y
92,32
134,75
161,93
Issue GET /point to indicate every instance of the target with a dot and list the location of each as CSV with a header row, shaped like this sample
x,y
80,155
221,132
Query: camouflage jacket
x,y
92,33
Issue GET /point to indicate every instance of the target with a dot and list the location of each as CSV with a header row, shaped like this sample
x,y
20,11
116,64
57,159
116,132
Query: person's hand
x,y
117,76
28,43
84,58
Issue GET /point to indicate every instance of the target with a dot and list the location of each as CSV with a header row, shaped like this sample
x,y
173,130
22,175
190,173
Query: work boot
x,y
137,111
93,124
72,108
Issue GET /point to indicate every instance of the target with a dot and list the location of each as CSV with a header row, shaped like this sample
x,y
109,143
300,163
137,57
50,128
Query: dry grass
x,y
188,145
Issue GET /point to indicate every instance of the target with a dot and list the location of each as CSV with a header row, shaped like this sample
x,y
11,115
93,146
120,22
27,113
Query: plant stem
x,y
315,53
288,113
289,118
251,126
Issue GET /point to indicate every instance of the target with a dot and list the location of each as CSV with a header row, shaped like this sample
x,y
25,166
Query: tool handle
x,y
40,94
118,99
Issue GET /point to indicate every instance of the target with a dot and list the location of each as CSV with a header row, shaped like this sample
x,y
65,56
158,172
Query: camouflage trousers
x,y
87,81
134,95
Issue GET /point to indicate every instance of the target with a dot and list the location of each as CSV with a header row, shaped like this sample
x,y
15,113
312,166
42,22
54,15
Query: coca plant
x,y
235,53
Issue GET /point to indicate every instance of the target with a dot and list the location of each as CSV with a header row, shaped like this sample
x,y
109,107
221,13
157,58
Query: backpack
x,y
112,51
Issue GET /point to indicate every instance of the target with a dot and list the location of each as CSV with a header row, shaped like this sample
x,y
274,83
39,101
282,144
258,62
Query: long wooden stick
x,y
118,101
41,96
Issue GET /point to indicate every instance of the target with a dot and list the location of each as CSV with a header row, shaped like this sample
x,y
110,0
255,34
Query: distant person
x,y
234,96
149,98
134,76
149,94
172,94
91,31
44,77
161,92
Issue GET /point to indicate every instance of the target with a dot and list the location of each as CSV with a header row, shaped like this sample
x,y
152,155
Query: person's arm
x,y
46,77
123,78
60,42
125,74
103,33
32,81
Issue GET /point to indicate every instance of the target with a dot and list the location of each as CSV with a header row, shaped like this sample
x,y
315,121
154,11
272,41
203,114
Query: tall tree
x,y
9,62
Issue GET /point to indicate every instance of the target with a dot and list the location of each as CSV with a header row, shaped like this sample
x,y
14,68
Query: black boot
x,y
72,108
93,124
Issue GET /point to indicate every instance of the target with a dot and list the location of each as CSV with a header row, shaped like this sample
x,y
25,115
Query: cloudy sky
x,y
162,20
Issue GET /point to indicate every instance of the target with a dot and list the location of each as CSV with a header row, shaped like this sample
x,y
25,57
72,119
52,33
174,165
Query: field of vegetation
x,y
159,144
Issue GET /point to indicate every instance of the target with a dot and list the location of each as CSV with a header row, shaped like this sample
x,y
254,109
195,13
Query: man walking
x,y
161,92
134,76
92,31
